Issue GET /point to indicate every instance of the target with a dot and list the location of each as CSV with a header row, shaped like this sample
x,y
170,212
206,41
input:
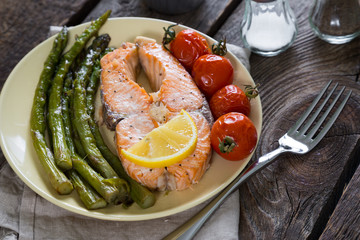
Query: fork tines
x,y
301,130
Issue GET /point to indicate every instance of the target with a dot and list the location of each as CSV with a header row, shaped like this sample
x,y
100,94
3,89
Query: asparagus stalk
x,y
91,199
81,118
107,189
56,126
38,122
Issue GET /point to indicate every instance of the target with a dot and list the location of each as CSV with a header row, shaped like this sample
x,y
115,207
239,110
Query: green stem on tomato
x,y
169,35
220,48
251,92
227,144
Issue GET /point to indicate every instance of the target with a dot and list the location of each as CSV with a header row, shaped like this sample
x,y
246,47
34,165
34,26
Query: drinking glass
x,y
336,21
268,27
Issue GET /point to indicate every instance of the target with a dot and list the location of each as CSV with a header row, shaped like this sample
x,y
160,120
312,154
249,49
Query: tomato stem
x,y
251,92
169,35
220,48
227,144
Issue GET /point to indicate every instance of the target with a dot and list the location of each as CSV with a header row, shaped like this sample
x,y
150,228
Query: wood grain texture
x,y
206,18
294,197
24,24
344,222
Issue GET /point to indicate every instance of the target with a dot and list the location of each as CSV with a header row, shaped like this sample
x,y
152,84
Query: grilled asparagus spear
x,y
38,121
56,126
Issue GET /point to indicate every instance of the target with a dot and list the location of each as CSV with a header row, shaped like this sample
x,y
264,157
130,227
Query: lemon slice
x,y
165,145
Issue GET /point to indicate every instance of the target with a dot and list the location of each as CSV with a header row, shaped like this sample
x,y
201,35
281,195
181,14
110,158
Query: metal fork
x,y
299,139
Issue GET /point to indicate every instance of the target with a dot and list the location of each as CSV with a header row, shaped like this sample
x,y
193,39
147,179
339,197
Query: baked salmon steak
x,y
133,112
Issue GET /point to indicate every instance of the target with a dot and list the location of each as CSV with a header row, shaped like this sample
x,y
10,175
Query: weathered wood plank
x,y
24,24
344,222
294,197
206,18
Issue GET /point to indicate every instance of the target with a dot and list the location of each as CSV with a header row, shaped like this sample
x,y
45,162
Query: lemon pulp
x,y
165,145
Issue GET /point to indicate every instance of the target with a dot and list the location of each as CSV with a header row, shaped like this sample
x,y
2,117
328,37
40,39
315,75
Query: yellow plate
x,y
15,105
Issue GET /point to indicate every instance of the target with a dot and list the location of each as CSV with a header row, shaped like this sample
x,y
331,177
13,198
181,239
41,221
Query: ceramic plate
x,y
15,106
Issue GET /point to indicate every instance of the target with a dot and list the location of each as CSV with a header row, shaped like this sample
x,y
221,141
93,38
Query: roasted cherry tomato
x,y
233,136
212,72
230,98
188,46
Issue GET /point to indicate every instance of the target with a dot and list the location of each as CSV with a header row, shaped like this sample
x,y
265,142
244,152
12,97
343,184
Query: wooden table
x,y
298,197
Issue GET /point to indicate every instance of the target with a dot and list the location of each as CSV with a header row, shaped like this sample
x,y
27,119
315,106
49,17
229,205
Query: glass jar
x,y
335,21
268,27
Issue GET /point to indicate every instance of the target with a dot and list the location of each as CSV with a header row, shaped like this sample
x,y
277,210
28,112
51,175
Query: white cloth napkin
x,y
26,215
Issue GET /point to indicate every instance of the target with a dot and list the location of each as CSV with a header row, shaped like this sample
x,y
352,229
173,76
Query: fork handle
x,y
193,225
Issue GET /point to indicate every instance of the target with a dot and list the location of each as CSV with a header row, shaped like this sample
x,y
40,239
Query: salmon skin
x,y
133,112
